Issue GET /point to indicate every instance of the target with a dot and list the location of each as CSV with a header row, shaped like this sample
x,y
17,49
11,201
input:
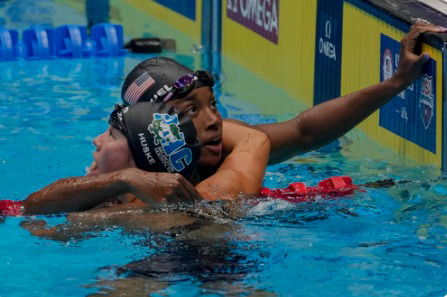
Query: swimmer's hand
x,y
157,188
411,62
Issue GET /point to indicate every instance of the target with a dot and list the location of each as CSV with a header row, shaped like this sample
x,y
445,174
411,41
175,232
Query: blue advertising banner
x,y
411,114
328,50
186,8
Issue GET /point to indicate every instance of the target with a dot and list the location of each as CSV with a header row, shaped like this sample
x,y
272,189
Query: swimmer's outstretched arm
x,y
328,121
74,194
83,193
242,171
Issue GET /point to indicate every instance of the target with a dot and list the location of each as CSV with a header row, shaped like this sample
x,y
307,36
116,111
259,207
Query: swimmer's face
x,y
112,152
200,106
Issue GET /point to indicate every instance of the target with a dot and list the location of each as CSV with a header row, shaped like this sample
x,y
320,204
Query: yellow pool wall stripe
x,y
290,63
181,23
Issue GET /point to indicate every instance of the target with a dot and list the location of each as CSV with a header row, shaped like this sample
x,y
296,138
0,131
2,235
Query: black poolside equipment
x,y
150,45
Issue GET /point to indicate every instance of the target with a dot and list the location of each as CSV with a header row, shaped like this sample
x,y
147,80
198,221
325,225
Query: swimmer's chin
x,y
88,170
92,173
209,162
91,170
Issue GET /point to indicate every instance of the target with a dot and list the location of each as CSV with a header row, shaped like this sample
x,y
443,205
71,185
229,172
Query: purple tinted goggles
x,y
186,83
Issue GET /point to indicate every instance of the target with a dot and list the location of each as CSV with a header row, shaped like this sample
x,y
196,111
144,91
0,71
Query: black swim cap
x,y
160,139
160,79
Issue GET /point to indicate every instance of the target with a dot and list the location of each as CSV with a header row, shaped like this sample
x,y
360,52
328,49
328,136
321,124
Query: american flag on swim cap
x,y
138,87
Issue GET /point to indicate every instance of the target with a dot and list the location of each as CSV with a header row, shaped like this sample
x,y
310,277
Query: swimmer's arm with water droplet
x,y
75,194
242,171
84,193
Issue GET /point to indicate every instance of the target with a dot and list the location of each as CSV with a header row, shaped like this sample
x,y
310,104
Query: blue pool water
x,y
380,242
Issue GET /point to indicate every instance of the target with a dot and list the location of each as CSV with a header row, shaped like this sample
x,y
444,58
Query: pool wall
x,y
368,35
329,48
284,56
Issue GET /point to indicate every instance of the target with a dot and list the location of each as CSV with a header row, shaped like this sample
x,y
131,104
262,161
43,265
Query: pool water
x,y
378,242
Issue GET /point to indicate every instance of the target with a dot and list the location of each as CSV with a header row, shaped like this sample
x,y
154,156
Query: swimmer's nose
x,y
213,119
97,142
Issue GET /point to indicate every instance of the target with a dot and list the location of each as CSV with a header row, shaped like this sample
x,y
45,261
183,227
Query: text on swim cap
x,y
161,92
146,150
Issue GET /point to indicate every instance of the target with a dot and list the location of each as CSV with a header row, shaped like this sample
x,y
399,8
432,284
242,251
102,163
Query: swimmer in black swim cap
x,y
161,79
165,80
160,140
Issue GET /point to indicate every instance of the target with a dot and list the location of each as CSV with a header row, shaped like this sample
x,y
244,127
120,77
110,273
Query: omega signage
x,y
260,16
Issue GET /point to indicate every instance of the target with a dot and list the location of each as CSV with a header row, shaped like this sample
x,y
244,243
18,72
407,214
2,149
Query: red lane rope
x,y
11,208
332,187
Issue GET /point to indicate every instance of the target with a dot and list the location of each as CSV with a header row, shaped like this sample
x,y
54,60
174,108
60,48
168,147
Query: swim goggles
x,y
188,82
